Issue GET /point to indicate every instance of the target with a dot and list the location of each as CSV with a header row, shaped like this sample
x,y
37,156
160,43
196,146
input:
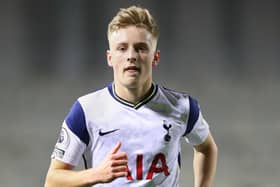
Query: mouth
x,y
132,69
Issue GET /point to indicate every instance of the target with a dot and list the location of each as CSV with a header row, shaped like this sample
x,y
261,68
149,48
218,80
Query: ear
x,y
156,58
109,58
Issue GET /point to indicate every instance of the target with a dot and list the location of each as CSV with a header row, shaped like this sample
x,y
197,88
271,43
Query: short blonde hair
x,y
136,16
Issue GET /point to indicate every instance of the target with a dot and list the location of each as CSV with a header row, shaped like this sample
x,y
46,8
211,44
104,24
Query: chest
x,y
150,137
139,131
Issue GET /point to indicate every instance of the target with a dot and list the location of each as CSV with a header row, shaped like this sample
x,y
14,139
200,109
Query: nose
x,y
132,55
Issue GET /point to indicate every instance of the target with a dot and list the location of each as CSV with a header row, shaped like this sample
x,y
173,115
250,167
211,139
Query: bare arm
x,y
113,166
205,162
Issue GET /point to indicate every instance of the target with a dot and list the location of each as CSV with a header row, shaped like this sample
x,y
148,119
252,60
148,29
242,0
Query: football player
x,y
129,132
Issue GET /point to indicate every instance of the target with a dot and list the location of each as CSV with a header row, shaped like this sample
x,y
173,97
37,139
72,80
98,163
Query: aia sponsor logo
x,y
158,165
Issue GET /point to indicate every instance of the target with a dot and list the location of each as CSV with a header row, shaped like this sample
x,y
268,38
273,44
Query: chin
x,y
132,83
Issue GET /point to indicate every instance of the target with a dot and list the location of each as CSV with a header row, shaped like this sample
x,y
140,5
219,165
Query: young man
x,y
128,133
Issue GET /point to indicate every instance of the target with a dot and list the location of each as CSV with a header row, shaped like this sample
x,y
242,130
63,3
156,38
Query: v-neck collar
x,y
145,100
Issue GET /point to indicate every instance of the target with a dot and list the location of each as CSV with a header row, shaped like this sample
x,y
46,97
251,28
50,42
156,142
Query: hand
x,y
113,166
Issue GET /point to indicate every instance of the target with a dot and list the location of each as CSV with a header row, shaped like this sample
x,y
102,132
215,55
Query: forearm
x,y
70,178
204,163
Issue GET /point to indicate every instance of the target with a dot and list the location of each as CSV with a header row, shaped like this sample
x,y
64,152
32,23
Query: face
x,y
132,56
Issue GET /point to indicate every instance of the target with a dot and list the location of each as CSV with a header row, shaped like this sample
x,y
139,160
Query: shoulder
x,y
178,95
93,97
182,100
77,118
178,100
175,94
84,104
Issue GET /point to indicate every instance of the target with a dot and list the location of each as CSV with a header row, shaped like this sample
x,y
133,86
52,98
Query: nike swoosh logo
x,y
106,132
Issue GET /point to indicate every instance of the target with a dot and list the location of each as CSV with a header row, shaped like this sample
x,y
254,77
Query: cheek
x,y
117,67
147,68
148,62
116,62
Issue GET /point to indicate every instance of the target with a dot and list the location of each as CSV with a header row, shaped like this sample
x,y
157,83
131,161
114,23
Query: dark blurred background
x,y
225,53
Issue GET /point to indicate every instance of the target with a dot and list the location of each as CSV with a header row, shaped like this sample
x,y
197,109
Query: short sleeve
x,y
197,128
73,138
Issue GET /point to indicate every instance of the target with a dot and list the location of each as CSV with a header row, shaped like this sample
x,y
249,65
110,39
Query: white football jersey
x,y
149,131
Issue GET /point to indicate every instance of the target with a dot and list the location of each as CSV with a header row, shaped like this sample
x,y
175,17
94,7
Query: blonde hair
x,y
136,16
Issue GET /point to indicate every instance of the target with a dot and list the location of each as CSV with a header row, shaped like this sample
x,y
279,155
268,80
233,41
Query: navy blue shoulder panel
x,y
76,121
193,115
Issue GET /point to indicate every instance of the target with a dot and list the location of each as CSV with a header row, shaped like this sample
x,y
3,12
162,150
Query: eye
x,y
141,48
121,48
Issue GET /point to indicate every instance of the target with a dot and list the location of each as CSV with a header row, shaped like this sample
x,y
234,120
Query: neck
x,y
133,94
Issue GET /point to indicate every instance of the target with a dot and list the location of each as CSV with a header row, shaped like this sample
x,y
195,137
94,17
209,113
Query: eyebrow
x,y
141,44
138,43
122,43
135,45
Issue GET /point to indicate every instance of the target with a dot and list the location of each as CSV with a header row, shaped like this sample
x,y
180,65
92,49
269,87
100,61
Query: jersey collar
x,y
153,92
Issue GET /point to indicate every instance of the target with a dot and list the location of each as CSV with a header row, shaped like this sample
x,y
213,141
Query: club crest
x,y
166,126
